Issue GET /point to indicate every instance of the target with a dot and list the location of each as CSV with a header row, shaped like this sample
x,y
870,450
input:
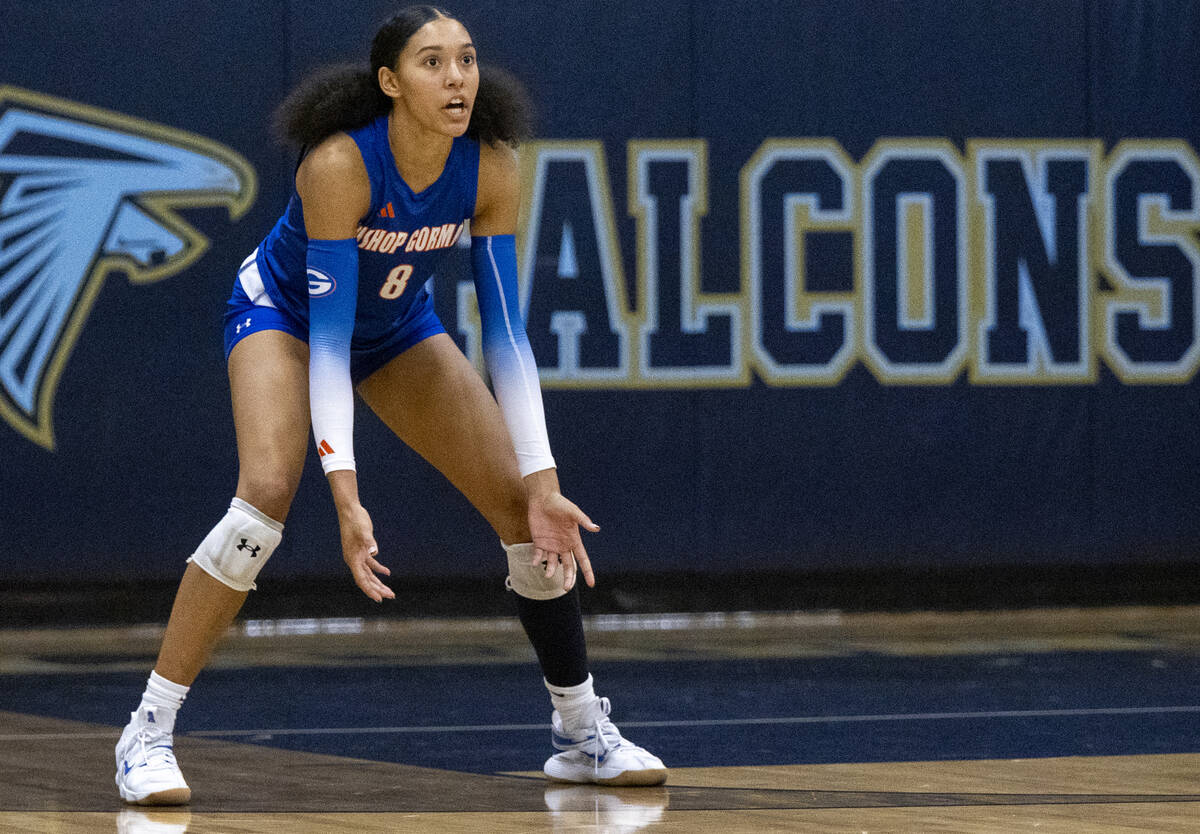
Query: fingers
x,y
580,552
586,523
585,564
573,563
364,571
569,570
372,586
547,560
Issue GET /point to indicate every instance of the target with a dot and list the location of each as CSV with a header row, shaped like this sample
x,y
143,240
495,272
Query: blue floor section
x,y
879,691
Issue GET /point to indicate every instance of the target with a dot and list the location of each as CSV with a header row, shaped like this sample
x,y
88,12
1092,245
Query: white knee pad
x,y
238,547
530,580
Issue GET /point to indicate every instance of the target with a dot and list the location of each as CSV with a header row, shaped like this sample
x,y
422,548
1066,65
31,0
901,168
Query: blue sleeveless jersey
x,y
400,240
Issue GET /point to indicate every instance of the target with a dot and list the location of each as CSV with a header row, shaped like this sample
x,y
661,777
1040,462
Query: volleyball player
x,y
396,160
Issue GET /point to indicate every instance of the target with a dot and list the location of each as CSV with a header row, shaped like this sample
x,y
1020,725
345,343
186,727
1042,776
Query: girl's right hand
x,y
359,550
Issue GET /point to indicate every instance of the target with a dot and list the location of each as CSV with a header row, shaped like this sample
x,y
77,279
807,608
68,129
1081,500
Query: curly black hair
x,y
347,96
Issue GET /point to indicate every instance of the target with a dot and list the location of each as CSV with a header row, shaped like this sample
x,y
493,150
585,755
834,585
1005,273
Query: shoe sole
x,y
628,779
173,796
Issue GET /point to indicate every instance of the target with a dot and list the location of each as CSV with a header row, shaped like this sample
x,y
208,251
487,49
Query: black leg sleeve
x,y
555,628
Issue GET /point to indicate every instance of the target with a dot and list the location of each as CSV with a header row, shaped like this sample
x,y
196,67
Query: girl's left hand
x,y
554,524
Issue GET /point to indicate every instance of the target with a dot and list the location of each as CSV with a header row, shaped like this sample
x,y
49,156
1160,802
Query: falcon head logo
x,y
85,192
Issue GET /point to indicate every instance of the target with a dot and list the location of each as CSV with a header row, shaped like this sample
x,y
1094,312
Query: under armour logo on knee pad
x,y
252,548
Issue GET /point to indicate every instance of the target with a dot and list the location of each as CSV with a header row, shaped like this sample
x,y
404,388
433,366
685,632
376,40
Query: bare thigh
x,y
268,380
434,400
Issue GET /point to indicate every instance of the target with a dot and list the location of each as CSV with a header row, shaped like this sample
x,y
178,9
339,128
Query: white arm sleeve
x,y
507,353
332,301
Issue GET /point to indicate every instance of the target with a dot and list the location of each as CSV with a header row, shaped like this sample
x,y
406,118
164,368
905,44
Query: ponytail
x,y
333,99
502,111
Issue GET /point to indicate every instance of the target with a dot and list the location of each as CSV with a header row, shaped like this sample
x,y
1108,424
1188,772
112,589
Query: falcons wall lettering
x,y
1018,262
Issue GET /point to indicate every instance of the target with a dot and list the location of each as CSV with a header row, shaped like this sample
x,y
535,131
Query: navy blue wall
x,y
970,199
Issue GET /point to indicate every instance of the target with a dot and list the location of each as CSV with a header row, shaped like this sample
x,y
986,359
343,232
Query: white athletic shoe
x,y
598,753
146,770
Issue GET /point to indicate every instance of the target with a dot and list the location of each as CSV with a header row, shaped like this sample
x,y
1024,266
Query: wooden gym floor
x,y
1052,720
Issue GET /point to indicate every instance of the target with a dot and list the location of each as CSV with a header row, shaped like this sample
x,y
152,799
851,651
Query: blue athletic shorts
x,y
250,310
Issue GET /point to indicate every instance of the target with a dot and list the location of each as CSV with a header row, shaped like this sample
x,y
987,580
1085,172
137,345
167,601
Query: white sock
x,y
575,704
164,697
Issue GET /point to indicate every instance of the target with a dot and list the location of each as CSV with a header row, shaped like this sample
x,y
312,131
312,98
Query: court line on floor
x,y
709,722
727,722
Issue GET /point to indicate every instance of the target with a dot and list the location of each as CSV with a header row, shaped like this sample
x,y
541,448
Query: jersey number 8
x,y
396,281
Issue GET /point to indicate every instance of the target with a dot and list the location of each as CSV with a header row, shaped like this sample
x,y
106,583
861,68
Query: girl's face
x,y
436,78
